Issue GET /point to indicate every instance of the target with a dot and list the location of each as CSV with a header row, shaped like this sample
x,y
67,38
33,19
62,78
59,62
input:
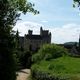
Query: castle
x,y
31,42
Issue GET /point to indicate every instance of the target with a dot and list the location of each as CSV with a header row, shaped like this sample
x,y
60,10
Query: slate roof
x,y
35,37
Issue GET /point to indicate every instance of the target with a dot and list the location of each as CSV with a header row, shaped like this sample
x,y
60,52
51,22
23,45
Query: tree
x,y
76,2
17,40
9,14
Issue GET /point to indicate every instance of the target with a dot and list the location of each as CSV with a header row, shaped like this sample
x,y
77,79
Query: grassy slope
x,y
61,67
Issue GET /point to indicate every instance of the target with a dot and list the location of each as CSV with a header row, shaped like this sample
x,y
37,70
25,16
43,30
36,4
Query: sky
x,y
57,16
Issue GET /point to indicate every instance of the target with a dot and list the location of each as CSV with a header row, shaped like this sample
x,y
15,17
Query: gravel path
x,y
23,74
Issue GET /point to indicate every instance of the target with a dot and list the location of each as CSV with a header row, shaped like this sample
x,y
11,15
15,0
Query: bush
x,y
25,59
7,59
49,51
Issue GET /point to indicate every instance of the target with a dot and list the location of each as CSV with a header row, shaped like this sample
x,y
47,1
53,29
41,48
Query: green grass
x,y
61,67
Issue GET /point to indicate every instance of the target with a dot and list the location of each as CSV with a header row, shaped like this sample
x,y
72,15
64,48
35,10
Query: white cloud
x,y
79,13
23,27
44,21
70,26
66,33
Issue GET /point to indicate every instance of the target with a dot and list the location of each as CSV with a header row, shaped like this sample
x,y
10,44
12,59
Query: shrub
x,y
49,51
25,59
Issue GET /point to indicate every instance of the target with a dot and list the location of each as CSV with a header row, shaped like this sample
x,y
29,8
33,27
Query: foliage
x,y
9,14
7,61
25,59
18,50
17,40
76,2
49,51
71,43
10,10
63,68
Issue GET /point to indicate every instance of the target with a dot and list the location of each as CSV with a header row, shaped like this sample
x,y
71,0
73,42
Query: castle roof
x,y
36,37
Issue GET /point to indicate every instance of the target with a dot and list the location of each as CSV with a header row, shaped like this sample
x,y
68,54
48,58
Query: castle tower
x,y
30,32
50,37
41,30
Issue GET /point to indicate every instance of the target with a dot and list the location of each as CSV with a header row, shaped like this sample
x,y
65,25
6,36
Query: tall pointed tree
x,y
17,39
9,14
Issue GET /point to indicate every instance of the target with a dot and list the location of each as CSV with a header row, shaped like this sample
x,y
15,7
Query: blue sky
x,y
54,12
58,16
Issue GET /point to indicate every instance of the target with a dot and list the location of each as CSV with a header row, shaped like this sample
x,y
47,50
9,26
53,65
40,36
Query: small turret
x,y
30,32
